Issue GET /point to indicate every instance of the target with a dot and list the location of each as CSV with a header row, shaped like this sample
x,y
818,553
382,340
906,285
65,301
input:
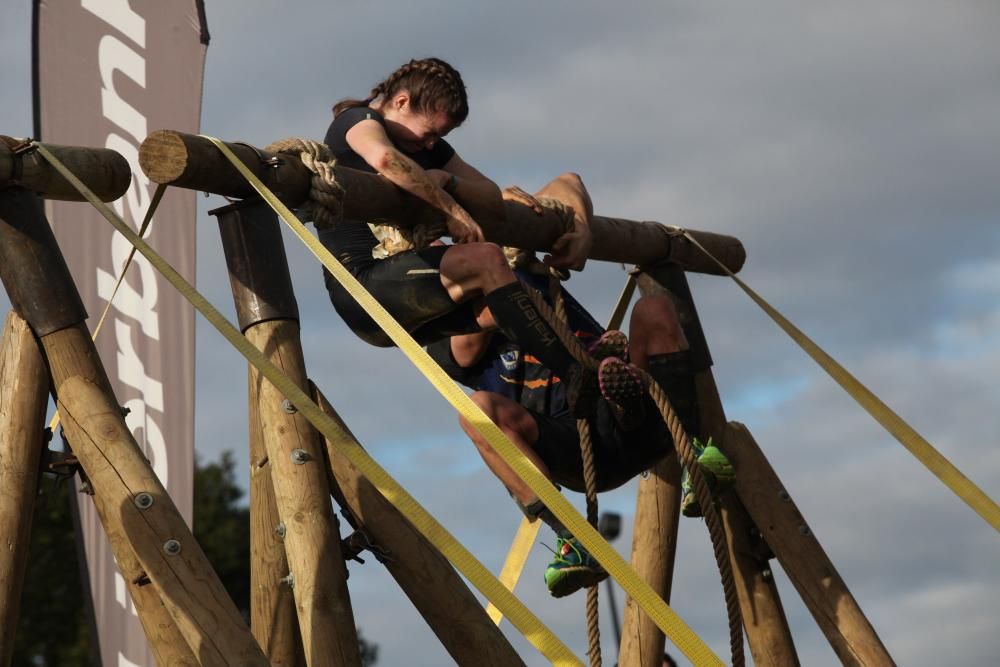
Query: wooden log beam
x,y
37,281
102,170
189,161
24,394
428,579
764,621
273,618
798,550
150,541
654,545
165,552
168,645
310,542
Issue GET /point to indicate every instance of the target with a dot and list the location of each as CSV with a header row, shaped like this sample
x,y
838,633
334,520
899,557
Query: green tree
x,y
52,628
221,524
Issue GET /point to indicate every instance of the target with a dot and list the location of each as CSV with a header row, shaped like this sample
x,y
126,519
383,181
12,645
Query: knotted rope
x,y
589,481
326,197
685,452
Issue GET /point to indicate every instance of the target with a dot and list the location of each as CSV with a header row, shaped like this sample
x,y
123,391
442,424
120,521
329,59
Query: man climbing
x,y
528,402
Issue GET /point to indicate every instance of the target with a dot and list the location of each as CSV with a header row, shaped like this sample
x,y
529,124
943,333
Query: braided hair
x,y
433,85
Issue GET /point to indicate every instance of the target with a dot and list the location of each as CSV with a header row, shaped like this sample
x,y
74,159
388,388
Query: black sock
x,y
538,510
675,375
518,319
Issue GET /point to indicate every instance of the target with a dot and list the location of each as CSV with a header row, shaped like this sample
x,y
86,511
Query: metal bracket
x,y
359,541
271,162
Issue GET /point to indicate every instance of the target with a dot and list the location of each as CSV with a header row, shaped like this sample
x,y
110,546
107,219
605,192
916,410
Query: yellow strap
x,y
533,629
527,532
516,558
932,459
153,203
618,314
665,618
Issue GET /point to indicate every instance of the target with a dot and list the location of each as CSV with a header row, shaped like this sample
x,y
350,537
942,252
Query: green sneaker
x,y
719,474
572,568
713,461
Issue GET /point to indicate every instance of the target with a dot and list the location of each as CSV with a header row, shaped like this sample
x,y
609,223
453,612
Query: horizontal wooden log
x,y
190,161
102,170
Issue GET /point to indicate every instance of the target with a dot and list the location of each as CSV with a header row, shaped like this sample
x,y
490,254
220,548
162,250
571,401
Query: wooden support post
x,y
273,618
815,578
24,394
136,511
189,161
764,621
149,537
102,170
426,576
654,545
268,316
168,644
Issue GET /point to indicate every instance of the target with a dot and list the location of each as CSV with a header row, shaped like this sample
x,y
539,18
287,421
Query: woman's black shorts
x,y
409,286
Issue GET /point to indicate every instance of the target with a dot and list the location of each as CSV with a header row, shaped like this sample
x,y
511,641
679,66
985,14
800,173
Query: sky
x,y
853,147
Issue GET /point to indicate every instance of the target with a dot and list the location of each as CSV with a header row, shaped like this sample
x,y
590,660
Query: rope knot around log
x,y
325,206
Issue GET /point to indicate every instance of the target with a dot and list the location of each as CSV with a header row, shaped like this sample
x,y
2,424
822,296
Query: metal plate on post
x,y
258,267
32,267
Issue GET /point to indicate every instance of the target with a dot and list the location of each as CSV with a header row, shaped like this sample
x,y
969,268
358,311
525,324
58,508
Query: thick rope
x,y
709,506
590,488
682,444
325,204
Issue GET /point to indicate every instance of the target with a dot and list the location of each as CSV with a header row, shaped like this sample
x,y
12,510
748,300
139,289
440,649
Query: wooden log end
x,y
727,249
106,172
163,156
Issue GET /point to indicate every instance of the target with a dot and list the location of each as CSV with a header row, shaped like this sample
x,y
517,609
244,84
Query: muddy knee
x,y
655,323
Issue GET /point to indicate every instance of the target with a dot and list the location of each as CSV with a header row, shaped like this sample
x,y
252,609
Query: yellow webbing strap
x,y
527,532
665,618
516,558
932,459
153,203
529,625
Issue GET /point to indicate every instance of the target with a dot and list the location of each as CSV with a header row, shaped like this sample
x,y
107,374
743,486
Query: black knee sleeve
x,y
519,320
675,374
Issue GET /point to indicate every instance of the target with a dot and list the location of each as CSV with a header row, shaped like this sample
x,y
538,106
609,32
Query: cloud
x,y
852,148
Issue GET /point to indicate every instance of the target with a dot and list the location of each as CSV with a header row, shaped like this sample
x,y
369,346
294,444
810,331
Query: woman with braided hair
x,y
440,291
436,291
